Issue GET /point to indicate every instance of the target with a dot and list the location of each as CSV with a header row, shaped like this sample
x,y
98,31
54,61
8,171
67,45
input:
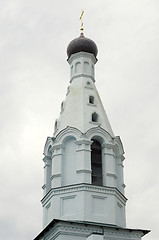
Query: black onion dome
x,y
82,44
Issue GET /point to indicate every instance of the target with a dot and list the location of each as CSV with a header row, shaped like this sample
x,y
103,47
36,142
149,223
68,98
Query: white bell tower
x,y
84,187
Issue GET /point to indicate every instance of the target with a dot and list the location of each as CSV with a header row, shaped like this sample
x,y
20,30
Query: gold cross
x,y
81,21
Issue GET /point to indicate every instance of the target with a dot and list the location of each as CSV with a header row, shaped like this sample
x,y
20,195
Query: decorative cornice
x,y
85,229
84,187
82,75
82,54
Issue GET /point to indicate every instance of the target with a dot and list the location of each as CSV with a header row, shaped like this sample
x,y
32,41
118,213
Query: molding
x,y
83,149
95,123
92,104
83,141
82,75
68,131
55,176
89,87
54,147
84,229
109,154
84,187
84,171
112,175
82,54
98,131
110,146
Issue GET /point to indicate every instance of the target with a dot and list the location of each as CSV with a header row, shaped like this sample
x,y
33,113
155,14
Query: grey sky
x,y
34,77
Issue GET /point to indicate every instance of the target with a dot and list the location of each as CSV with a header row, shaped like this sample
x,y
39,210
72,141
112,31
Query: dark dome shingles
x,y
82,44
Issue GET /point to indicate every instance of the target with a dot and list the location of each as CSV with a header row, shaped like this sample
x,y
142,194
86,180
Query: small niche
x,y
77,67
92,70
91,99
94,117
86,67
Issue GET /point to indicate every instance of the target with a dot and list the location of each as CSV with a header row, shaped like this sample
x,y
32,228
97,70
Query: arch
x,y
96,163
119,145
86,67
67,132
95,117
48,146
100,134
78,67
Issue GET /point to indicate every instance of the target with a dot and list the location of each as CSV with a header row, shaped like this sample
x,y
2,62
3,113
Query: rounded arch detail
x,y
66,133
48,146
119,146
99,134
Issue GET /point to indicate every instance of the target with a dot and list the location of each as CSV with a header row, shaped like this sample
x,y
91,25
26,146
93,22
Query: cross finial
x,y
82,11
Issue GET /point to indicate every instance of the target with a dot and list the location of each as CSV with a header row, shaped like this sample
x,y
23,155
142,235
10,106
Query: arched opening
x,y
96,163
91,99
94,117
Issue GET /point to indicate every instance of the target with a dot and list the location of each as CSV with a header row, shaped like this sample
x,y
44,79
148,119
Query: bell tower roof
x,y
82,107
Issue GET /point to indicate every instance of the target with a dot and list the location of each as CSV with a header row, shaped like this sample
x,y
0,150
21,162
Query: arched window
x,y
96,163
91,99
94,117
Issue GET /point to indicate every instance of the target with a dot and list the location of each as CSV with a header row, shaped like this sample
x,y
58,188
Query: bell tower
x,y
83,173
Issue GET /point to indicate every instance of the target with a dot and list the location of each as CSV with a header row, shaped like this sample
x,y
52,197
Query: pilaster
x,y
47,174
83,168
109,165
56,165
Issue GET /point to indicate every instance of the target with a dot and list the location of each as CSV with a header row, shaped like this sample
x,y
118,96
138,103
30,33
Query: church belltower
x,y
83,173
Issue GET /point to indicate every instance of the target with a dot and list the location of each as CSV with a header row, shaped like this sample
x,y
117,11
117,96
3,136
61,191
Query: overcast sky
x,y
34,76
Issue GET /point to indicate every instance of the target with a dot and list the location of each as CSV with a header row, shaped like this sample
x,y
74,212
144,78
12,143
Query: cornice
x,y
84,229
83,187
